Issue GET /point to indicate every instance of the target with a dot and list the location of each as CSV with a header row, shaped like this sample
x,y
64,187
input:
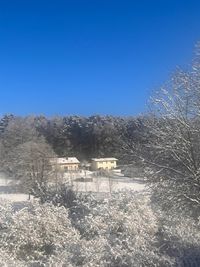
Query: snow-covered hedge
x,y
127,227
123,231
36,233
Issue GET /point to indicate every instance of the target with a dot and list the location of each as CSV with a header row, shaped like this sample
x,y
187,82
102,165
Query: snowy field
x,y
6,190
4,181
104,184
90,184
14,197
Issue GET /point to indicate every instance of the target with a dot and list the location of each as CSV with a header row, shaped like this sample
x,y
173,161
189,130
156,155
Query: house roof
x,y
69,160
72,160
104,159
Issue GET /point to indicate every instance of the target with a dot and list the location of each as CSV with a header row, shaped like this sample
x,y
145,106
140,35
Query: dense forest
x,y
83,137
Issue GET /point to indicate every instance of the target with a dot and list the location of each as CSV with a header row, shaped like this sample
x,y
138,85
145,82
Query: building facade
x,y
65,164
103,164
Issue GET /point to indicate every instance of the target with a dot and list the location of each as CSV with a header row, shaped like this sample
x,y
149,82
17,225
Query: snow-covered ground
x,y
90,183
6,188
14,197
103,184
4,180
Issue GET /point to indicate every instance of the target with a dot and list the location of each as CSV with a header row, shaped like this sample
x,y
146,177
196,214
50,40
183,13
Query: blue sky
x,y
87,57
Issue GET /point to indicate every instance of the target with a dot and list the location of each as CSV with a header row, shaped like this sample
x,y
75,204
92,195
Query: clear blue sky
x,y
91,56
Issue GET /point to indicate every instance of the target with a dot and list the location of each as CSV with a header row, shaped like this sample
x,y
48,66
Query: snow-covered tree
x,y
30,164
173,157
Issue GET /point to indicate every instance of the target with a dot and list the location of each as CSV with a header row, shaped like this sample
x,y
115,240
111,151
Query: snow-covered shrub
x,y
127,227
122,231
86,254
6,212
6,260
61,195
180,239
34,234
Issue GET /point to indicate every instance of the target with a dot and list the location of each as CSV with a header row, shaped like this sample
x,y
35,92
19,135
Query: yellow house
x,y
103,163
65,164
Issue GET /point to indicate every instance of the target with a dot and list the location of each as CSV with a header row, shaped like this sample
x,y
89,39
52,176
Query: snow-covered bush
x,y
127,228
6,260
180,239
6,212
122,231
36,233
61,194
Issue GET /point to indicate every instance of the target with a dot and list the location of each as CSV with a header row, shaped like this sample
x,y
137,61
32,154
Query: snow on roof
x,y
104,159
72,160
68,160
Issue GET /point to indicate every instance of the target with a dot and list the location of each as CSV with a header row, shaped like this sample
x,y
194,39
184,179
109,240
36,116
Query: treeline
x,y
83,137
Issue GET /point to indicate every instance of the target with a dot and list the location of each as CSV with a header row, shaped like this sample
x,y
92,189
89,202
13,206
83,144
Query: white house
x,y
65,164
